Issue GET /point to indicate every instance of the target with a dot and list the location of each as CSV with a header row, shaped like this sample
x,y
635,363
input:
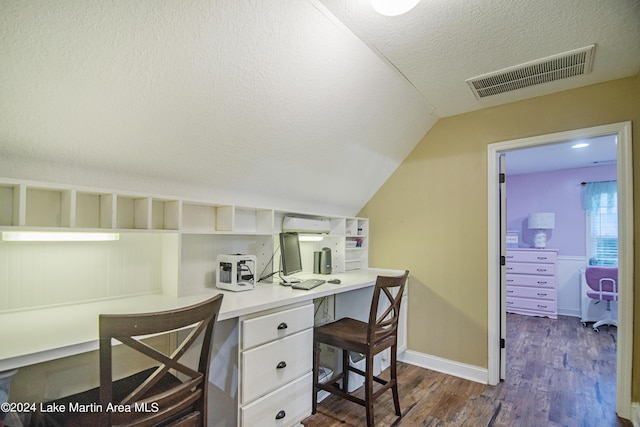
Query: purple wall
x,y
558,192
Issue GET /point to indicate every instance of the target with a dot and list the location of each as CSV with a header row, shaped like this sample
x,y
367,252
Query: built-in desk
x,y
34,336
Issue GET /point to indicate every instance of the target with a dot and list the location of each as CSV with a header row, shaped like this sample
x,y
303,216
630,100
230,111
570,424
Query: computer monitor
x,y
290,253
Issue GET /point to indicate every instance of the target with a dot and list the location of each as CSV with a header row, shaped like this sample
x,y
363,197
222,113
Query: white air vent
x,y
556,67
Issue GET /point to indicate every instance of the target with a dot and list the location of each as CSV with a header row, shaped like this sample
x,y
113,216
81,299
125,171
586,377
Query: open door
x,y
502,166
496,319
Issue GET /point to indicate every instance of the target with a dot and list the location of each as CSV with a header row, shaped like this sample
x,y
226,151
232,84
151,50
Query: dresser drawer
x,y
531,256
269,327
523,292
533,281
542,306
271,365
282,407
524,268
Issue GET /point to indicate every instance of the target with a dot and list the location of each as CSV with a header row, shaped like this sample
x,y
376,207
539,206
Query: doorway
x,y
495,285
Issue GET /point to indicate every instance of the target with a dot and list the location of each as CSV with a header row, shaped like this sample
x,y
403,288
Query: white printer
x,y
236,272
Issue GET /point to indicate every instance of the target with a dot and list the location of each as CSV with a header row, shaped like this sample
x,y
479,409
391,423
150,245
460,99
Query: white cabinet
x,y
281,407
276,354
531,287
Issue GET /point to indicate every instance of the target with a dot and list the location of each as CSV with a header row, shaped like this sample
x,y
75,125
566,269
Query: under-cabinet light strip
x,y
310,237
56,236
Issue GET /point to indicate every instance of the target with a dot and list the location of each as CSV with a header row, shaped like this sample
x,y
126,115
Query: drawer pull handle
x,y
541,270
280,415
282,326
281,365
540,294
542,306
542,258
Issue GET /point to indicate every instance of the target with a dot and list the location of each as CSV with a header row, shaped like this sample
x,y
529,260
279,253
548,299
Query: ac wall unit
x,y
306,225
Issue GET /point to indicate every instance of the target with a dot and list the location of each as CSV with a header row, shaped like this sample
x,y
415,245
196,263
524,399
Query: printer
x,y
236,272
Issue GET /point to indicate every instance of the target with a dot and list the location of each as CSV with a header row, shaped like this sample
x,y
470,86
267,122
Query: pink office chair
x,y
603,284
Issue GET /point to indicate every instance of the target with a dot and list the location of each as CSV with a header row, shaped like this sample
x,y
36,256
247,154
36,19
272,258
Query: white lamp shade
x,y
393,7
542,221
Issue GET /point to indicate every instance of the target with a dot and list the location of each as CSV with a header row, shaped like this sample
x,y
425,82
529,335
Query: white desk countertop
x,y
34,336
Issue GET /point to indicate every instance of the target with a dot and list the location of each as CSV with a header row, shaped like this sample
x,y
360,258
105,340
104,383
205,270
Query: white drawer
x,y
283,407
529,304
533,293
528,280
271,365
524,268
260,330
532,256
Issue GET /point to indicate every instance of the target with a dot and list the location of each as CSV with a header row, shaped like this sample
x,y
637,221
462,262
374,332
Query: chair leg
x,y
316,379
609,320
345,371
368,389
394,379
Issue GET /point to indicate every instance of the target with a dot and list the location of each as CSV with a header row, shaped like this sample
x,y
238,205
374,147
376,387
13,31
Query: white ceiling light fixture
x,y
393,7
580,145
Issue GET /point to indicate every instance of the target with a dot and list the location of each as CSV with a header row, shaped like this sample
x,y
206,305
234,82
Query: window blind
x,y
602,216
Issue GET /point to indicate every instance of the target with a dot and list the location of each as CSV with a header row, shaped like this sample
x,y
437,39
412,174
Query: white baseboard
x,y
457,369
635,414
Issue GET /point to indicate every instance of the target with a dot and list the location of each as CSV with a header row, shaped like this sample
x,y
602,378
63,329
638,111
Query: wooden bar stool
x,y
156,396
369,339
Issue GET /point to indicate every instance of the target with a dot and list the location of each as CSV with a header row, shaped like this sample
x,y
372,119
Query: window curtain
x,y
600,201
600,196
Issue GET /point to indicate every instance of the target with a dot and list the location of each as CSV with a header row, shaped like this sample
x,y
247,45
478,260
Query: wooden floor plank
x,y
559,373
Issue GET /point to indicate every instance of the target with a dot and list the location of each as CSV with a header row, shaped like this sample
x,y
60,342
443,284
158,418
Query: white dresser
x,y
531,282
275,375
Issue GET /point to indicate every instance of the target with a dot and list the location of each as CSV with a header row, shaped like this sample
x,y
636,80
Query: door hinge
x,y
502,178
503,260
503,343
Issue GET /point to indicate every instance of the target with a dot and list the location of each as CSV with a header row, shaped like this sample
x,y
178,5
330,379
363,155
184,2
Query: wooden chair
x,y
155,396
369,339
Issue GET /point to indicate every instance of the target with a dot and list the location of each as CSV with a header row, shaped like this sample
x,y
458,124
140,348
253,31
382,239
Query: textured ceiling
x,y
441,43
296,104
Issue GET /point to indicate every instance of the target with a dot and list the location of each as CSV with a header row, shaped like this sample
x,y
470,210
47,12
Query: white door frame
x,y
625,250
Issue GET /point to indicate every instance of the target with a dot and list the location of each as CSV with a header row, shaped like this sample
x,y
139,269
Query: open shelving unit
x,y
191,234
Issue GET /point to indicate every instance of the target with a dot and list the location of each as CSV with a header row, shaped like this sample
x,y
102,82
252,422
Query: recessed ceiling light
x,y
580,145
393,7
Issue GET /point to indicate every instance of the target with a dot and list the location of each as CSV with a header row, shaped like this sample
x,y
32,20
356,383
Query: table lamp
x,y
541,222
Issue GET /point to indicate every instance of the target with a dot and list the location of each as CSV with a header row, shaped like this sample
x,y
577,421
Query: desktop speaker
x,y
325,261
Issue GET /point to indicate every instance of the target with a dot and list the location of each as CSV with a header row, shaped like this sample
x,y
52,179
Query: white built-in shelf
x,y
37,205
193,232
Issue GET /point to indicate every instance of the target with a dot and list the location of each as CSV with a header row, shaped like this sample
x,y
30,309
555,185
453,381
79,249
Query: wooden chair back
x,y
185,400
383,319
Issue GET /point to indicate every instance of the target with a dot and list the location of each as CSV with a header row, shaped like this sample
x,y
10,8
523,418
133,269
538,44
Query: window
x,y
601,205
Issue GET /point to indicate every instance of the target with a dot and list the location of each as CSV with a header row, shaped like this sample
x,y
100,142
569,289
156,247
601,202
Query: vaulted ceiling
x,y
300,104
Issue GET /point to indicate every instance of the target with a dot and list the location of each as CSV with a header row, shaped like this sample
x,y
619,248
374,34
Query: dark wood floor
x,y
559,373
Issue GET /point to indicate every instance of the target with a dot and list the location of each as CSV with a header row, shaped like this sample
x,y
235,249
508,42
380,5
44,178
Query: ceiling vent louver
x,y
569,64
